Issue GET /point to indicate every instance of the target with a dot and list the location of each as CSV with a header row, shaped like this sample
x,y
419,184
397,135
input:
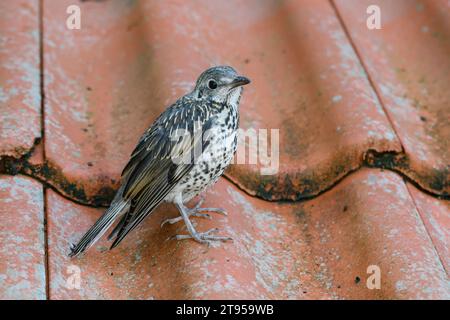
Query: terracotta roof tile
x,y
105,86
22,253
435,215
343,98
408,62
20,97
314,249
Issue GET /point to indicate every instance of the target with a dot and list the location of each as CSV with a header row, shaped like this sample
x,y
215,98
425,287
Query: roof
x,y
363,175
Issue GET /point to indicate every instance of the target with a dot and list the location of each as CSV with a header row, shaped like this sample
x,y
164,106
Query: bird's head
x,y
221,84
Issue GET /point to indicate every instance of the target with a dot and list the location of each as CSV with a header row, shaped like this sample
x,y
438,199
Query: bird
x,y
184,152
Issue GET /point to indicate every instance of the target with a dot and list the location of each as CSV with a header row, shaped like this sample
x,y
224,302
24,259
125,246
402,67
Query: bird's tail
x,y
117,209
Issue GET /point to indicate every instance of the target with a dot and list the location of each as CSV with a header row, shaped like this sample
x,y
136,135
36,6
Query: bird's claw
x,y
202,237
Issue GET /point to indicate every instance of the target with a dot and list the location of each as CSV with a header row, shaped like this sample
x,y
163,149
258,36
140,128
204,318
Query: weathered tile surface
x,y
22,251
108,81
104,84
316,249
435,214
408,60
20,97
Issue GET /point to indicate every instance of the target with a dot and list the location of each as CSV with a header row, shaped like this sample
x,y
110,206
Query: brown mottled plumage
x,y
185,150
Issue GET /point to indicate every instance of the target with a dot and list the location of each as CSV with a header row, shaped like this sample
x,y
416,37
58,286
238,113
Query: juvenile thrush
x,y
184,152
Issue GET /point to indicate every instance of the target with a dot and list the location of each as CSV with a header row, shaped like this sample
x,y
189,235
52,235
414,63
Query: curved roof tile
x,y
319,248
343,98
408,62
107,82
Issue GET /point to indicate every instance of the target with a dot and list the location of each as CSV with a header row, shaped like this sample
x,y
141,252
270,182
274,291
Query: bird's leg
x,y
203,237
196,212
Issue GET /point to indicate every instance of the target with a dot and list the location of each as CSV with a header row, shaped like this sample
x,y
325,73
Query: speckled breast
x,y
215,158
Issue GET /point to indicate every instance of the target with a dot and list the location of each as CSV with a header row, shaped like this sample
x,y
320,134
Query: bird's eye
x,y
212,84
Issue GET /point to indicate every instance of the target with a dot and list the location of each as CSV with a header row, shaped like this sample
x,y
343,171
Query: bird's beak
x,y
239,81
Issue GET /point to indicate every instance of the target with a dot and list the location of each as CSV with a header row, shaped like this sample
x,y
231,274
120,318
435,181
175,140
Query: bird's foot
x,y
202,237
196,212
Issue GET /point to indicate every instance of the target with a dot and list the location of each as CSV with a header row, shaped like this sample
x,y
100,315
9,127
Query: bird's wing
x,y
154,168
